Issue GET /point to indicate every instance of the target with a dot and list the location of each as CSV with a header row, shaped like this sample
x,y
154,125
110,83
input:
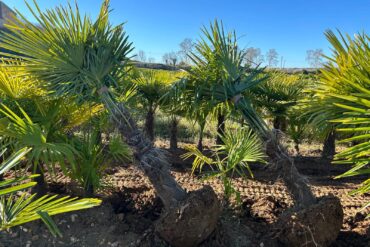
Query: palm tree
x,y
217,48
344,88
239,148
233,82
151,85
180,100
277,95
73,56
23,132
16,210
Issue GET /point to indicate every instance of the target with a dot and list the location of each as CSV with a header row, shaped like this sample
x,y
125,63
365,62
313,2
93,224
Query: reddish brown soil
x,y
130,208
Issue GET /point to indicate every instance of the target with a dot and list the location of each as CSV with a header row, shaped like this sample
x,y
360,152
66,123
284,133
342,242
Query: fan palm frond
x,y
16,210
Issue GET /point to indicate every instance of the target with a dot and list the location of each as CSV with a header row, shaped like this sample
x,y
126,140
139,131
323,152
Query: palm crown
x,y
69,53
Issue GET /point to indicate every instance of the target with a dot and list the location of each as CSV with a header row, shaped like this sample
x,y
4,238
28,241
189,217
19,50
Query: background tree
x,y
141,56
186,47
151,60
171,58
253,56
277,94
272,58
314,58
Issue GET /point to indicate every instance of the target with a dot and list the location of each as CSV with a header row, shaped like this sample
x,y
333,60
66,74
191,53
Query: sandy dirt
x,y
130,208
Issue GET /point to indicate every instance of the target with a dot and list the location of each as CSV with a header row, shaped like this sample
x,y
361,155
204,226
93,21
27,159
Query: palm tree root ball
x,y
317,225
192,221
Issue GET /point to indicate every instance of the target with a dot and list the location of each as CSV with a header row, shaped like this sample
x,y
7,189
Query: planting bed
x,y
130,208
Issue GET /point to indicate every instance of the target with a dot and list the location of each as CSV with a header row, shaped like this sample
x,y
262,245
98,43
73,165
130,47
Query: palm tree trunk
x,y
295,182
329,146
280,123
296,147
195,223
173,136
201,133
220,127
151,160
149,123
41,187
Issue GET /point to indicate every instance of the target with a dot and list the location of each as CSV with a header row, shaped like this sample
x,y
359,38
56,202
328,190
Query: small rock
x,y
115,244
62,222
35,237
121,216
73,239
73,217
112,228
92,225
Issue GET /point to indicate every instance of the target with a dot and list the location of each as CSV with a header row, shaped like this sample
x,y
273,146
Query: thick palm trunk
x,y
329,146
220,127
189,218
149,123
295,182
150,159
173,134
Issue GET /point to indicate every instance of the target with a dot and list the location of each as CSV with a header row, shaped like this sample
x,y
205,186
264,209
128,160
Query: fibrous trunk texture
x,y
220,128
295,182
176,201
150,159
149,123
173,134
329,146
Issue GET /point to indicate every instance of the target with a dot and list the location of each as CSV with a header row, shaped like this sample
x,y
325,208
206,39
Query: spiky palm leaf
x,y
16,210
22,132
241,147
219,75
345,90
69,53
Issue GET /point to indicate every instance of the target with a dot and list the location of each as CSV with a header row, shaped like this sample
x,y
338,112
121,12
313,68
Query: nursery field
x,y
99,149
130,208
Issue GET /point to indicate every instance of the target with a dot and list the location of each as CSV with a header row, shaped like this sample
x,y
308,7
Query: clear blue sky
x,y
291,27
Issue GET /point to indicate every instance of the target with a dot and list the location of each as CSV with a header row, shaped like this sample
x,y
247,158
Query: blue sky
x,y
291,27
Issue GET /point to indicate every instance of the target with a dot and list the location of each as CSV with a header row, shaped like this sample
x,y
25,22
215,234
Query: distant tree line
x,y
253,56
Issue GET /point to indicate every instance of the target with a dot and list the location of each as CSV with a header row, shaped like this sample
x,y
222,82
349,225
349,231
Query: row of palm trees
x,y
83,84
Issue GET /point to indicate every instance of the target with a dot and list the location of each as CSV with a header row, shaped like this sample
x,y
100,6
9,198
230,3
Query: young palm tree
x,y
277,95
73,56
239,148
151,85
19,132
16,210
180,100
